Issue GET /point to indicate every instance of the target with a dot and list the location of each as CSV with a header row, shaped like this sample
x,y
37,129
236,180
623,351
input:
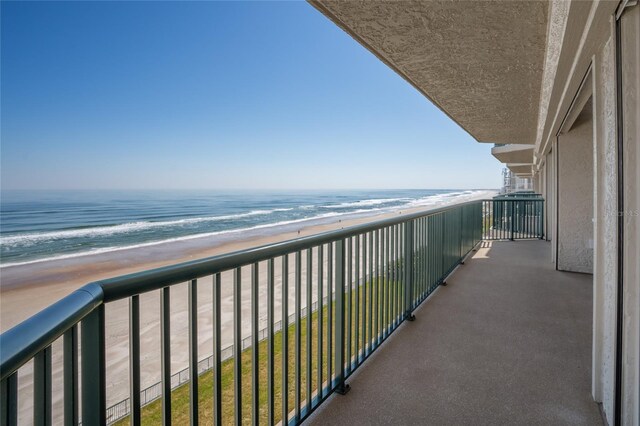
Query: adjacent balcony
x,y
513,153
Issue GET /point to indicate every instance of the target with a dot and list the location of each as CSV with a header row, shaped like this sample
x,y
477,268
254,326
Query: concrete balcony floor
x,y
508,341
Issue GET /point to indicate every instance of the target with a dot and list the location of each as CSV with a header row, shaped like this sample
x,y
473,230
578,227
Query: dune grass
x,y
152,413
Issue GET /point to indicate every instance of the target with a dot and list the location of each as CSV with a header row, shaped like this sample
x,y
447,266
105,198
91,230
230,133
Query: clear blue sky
x,y
214,95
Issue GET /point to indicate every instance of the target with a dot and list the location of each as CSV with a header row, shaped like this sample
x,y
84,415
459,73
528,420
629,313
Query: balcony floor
x,y
508,341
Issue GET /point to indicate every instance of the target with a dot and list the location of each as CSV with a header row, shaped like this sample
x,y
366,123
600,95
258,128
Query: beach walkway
x,y
507,341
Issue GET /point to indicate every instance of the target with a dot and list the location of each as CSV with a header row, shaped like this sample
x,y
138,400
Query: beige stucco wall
x,y
605,229
592,44
575,189
550,197
604,195
631,275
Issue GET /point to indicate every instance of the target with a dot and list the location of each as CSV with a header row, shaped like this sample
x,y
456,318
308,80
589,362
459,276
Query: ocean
x,y
45,225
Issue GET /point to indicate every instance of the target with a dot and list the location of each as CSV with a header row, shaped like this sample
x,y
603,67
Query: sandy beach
x,y
26,289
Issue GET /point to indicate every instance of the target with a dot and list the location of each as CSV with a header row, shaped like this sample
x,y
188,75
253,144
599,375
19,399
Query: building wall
x,y
605,229
551,202
575,190
630,44
588,48
606,224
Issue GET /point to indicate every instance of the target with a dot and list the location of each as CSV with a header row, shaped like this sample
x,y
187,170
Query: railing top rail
x,y
23,341
154,279
529,199
20,343
519,197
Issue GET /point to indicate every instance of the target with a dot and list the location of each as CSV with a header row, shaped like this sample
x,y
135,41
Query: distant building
x,y
513,183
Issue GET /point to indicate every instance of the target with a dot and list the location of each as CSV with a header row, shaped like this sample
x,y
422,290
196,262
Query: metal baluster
x,y
425,263
396,274
528,216
93,368
443,246
364,295
298,334
401,274
417,262
193,352
330,314
357,304
371,293
165,356
483,219
348,303
270,343
391,285
134,358
494,224
341,387
378,304
429,253
408,277
217,361
255,383
460,235
513,219
425,260
70,361
237,343
541,211
285,339
309,327
320,310
9,400
42,387
385,285
392,279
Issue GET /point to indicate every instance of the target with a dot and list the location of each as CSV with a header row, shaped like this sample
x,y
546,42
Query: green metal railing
x,y
513,217
518,194
362,281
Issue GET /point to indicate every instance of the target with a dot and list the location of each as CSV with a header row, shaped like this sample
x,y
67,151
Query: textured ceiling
x,y
522,154
481,62
520,169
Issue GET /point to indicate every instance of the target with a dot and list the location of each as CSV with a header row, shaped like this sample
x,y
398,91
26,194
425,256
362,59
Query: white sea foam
x,y
99,231
175,239
431,200
364,203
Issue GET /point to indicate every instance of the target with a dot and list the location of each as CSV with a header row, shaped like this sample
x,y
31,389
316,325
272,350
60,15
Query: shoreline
x,y
36,286
62,276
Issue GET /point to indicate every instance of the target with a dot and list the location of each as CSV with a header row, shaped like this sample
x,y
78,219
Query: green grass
x,y
152,413
487,224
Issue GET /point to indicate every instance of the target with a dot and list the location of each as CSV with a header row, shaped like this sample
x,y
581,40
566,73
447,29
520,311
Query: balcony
x,y
507,341
507,338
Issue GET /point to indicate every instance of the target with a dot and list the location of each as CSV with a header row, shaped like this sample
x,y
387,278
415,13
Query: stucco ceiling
x,y
522,154
520,169
480,62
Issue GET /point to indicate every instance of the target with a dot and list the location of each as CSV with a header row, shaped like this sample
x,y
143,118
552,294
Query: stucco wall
x,y
605,225
552,217
631,275
550,199
575,186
